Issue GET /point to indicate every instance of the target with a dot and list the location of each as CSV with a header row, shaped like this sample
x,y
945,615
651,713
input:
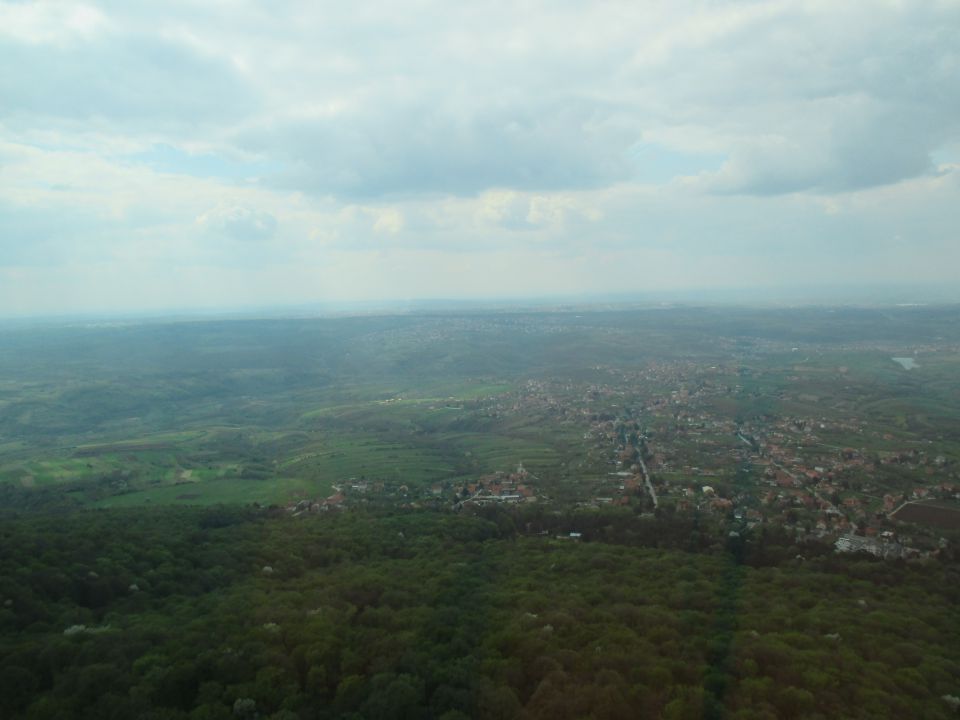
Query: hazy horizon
x,y
743,299
195,157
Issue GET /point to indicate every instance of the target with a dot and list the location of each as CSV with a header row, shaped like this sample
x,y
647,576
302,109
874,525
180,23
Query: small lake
x,y
906,363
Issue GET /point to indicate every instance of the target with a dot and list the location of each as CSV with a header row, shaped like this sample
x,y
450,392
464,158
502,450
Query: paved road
x,y
646,481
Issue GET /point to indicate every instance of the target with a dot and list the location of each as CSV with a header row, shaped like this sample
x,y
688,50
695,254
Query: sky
x,y
228,154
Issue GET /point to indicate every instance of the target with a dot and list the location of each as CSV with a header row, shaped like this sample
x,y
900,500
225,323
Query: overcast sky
x,y
220,153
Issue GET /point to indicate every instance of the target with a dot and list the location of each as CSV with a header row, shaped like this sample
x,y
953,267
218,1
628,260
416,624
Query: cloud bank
x,y
254,153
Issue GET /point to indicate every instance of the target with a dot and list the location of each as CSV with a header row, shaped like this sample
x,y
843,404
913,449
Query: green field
x,y
221,490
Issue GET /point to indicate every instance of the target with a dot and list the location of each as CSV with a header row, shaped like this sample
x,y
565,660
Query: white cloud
x,y
51,23
238,221
597,145
389,221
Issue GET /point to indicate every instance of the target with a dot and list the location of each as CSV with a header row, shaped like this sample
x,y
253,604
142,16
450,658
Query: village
x,y
668,439
500,487
779,471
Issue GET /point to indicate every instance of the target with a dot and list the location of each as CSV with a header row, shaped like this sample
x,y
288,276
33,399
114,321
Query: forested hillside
x,y
220,613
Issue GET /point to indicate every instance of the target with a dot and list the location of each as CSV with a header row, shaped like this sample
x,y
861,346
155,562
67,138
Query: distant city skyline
x,y
203,157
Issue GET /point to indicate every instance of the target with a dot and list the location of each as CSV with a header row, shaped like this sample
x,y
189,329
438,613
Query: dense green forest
x,y
239,612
